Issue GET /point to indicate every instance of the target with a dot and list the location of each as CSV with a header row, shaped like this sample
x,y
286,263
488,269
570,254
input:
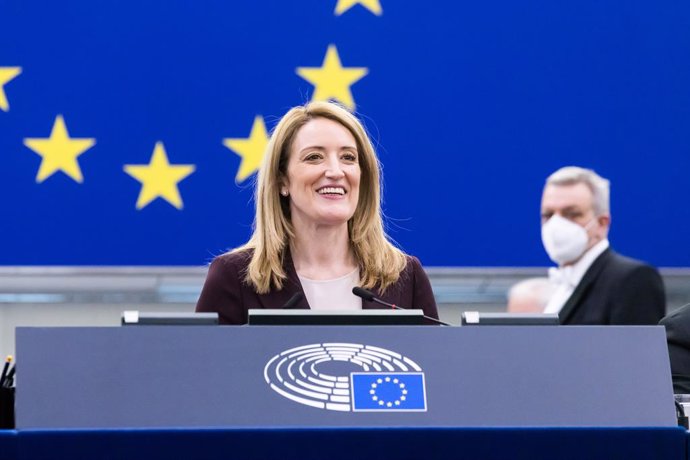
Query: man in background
x,y
592,284
678,337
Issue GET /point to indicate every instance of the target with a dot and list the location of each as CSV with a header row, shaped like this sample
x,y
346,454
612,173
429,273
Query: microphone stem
x,y
395,307
370,297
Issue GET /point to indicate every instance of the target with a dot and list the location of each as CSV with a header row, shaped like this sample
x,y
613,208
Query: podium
x,y
548,392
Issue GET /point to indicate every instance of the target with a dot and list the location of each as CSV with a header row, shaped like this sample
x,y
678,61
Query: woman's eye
x,y
312,157
349,157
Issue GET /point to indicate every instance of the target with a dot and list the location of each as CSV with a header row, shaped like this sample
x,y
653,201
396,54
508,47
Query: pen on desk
x,y
8,360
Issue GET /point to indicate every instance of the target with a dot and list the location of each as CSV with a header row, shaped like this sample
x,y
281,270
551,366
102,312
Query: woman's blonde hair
x,y
380,263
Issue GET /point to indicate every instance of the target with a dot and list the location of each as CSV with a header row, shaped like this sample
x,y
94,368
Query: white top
x,y
565,279
335,294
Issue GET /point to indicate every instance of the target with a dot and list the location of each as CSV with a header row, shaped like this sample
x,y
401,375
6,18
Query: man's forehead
x,y
564,196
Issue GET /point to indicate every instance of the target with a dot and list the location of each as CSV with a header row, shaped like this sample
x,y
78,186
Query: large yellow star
x,y
59,152
332,80
6,75
159,178
250,149
372,5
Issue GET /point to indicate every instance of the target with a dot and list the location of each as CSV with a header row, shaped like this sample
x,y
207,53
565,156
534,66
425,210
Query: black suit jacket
x,y
616,290
678,336
226,292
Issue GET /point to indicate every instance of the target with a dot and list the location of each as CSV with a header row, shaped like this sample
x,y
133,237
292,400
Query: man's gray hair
x,y
600,187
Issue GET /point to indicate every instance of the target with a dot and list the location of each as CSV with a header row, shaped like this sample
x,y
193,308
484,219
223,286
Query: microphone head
x,y
363,293
294,300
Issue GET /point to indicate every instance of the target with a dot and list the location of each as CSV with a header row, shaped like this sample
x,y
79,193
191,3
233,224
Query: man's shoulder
x,y
677,326
680,316
616,266
624,263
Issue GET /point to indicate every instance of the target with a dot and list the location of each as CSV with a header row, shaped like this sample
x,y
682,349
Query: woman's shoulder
x,y
411,270
412,263
237,259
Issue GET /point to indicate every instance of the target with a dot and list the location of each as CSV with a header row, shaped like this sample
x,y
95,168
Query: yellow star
x,y
372,5
6,75
251,149
332,80
159,178
59,152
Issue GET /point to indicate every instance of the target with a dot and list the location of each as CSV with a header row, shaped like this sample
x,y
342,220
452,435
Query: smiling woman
x,y
322,179
318,230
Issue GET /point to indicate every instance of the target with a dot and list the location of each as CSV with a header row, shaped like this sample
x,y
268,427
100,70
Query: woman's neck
x,y
322,252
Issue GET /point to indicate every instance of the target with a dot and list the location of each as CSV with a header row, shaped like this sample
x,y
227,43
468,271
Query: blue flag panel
x,y
385,391
131,131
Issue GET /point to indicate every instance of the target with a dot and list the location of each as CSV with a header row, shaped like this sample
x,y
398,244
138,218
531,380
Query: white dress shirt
x,y
565,279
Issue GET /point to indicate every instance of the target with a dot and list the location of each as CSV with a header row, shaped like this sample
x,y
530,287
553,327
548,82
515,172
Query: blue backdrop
x,y
471,105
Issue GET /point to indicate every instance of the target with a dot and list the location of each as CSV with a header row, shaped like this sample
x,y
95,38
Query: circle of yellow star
x,y
372,5
7,74
250,149
332,80
59,152
159,178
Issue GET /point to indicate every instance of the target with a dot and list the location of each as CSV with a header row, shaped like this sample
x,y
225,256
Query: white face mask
x,y
564,240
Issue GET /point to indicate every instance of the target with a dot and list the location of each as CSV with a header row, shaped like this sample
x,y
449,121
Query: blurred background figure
x,y
678,337
594,284
530,295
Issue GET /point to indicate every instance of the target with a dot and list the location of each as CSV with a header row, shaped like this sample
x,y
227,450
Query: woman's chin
x,y
333,220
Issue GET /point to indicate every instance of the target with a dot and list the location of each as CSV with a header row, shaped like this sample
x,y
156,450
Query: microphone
x,y
367,295
294,300
370,297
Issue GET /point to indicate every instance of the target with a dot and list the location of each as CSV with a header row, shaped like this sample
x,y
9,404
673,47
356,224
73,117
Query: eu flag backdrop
x,y
130,131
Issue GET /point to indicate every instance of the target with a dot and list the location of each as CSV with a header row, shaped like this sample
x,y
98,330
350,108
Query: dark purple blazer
x,y
226,292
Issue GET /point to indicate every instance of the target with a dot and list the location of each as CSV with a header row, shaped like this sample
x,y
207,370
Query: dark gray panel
x,y
214,376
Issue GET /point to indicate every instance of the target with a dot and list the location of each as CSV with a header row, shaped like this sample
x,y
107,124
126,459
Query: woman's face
x,y
323,174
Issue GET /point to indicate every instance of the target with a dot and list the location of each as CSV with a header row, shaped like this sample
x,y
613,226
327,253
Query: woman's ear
x,y
284,187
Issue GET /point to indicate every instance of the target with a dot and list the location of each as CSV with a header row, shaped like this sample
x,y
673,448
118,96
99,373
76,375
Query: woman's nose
x,y
334,168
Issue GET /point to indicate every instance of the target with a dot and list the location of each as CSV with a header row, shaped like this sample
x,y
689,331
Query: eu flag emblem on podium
x,y
387,391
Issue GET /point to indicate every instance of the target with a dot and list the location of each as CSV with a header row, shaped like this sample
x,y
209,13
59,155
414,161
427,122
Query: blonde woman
x,y
318,228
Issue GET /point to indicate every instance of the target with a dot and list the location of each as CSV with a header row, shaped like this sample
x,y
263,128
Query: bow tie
x,y
562,276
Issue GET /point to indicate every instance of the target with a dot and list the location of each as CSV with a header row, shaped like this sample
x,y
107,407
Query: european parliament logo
x,y
317,375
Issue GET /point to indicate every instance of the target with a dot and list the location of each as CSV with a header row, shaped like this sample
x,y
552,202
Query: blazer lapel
x,y
581,289
292,285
